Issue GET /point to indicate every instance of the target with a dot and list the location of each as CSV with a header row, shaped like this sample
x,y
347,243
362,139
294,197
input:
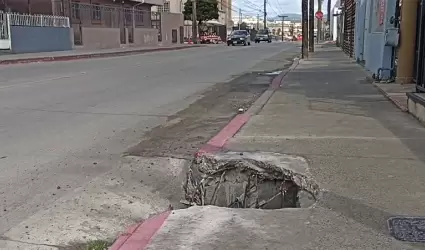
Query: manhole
x,y
411,229
250,180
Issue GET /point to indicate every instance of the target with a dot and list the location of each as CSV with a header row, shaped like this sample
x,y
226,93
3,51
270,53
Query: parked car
x,y
239,37
263,36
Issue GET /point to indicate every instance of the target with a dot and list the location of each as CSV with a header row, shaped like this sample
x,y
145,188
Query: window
x,y
139,16
96,12
221,5
75,7
165,7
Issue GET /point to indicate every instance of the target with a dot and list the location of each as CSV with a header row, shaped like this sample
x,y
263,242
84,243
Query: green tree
x,y
205,10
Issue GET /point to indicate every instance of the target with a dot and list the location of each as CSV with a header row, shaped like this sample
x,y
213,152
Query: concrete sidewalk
x,y
366,155
85,54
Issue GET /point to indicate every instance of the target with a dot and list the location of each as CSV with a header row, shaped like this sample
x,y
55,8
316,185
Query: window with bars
x,y
75,8
165,7
96,12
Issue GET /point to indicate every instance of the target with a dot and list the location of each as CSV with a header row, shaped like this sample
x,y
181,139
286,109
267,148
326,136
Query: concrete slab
x,y
136,190
16,245
222,228
365,153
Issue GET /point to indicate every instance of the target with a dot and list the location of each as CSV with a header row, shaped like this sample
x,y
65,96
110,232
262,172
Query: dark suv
x,y
263,36
239,37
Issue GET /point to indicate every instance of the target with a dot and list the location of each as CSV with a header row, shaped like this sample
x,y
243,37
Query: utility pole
x,y
311,26
194,23
304,47
240,19
283,20
319,22
329,19
258,21
265,14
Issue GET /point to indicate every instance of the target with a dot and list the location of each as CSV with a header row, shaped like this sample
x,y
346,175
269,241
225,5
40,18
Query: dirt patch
x,y
189,129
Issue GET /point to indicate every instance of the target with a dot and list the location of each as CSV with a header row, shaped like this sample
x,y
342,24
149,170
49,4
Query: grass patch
x,y
90,245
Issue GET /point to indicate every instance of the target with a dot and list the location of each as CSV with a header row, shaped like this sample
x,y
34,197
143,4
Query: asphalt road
x,y
63,124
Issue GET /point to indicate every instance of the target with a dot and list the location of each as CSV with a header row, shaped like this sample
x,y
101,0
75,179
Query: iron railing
x,y
109,16
4,26
16,19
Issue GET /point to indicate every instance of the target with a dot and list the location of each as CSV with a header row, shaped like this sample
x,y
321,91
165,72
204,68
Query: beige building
x,y
177,6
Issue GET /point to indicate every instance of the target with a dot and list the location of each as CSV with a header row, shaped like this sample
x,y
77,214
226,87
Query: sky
x,y
274,7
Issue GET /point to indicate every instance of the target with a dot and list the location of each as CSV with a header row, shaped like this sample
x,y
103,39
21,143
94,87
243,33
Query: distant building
x,y
56,7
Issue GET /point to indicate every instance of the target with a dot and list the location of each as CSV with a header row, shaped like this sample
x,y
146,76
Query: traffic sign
x,y
319,15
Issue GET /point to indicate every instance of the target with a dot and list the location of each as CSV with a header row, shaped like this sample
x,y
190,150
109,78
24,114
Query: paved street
x,y
64,127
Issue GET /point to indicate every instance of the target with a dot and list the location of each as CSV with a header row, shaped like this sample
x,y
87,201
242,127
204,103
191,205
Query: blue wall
x,y
370,36
27,39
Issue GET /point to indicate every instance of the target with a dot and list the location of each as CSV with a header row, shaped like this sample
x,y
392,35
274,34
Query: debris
x,y
3,157
250,180
273,73
58,187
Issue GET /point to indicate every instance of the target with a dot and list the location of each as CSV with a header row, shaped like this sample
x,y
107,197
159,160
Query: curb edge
x,y
139,236
218,142
91,56
390,98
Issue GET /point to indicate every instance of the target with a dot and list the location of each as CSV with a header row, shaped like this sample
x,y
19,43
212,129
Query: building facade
x,y
51,7
372,38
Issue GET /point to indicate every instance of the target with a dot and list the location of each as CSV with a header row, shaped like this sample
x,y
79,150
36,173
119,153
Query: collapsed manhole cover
x,y
250,180
411,229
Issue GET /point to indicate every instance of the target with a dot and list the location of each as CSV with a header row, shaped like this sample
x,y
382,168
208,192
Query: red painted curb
x,y
218,141
277,81
92,55
138,237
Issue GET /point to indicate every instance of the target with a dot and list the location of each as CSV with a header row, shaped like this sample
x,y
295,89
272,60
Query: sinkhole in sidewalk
x,y
258,180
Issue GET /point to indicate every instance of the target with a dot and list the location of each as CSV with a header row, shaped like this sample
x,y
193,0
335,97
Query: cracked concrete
x,y
248,180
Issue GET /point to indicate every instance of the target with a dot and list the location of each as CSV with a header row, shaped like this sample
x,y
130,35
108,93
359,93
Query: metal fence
x,y
109,16
16,19
349,26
